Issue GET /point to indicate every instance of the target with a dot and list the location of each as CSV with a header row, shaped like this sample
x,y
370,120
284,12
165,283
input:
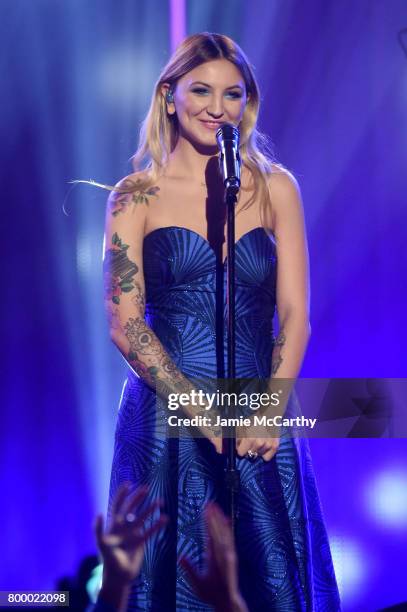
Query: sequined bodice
x,y
186,300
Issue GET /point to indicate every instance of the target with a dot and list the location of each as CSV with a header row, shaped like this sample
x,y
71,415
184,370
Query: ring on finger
x,y
251,454
130,518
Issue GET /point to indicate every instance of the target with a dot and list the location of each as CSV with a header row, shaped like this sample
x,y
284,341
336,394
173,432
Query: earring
x,y
169,96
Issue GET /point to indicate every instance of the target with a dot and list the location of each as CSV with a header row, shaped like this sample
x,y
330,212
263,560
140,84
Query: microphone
x,y
228,138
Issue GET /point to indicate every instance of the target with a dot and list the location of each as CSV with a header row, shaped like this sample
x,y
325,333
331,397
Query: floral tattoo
x,y
120,202
118,271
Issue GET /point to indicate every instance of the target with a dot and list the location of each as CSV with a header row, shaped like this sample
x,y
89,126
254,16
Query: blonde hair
x,y
159,130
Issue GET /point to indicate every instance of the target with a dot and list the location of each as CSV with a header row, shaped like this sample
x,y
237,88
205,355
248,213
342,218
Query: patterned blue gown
x,y
285,561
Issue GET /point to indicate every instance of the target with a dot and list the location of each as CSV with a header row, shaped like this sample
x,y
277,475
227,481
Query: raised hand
x,y
122,546
218,585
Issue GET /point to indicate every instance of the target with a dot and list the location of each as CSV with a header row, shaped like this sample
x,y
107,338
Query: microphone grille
x,y
227,131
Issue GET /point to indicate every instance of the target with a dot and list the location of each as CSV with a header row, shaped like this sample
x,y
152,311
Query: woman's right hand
x,y
217,443
206,427
215,440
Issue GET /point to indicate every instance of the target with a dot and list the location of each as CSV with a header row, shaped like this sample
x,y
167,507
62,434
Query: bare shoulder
x,y
282,182
285,195
132,192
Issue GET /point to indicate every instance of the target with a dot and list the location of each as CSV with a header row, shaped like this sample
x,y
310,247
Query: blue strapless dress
x,y
285,562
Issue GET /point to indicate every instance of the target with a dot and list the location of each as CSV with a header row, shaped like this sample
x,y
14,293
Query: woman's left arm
x,y
293,292
292,299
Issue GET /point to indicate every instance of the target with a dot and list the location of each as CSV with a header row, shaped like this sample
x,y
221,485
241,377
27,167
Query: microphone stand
x,y
228,141
232,474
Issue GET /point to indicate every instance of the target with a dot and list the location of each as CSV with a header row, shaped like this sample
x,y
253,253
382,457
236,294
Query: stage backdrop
x,y
77,77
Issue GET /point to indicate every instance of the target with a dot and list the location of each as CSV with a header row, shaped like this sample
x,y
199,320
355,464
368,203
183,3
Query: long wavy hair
x,y
159,130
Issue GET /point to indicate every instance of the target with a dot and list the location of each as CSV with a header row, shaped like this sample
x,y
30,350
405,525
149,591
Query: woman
x,y
165,279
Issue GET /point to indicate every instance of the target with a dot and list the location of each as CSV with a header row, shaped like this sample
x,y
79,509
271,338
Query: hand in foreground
x,y
122,546
218,586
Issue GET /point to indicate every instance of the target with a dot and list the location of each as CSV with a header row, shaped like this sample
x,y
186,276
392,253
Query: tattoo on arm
x,y
277,358
119,271
147,355
138,298
150,361
113,316
120,202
